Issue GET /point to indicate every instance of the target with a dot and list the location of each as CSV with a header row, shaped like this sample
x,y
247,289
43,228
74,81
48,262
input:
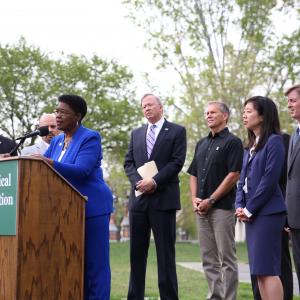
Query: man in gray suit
x,y
293,176
42,144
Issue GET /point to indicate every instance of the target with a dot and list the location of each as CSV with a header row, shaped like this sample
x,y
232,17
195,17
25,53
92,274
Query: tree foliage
x,y
31,81
221,49
24,85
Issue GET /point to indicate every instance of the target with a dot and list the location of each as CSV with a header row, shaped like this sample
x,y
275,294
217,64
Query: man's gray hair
x,y
156,97
223,107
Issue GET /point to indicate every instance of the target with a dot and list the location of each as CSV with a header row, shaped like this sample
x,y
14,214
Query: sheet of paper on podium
x,y
148,170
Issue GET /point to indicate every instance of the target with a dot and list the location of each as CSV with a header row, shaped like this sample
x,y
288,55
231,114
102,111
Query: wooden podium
x,y
42,241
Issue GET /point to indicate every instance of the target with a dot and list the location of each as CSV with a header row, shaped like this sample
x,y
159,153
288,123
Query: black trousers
x,y
163,225
295,235
286,271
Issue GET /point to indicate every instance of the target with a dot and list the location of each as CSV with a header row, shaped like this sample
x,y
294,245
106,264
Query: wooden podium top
x,y
43,161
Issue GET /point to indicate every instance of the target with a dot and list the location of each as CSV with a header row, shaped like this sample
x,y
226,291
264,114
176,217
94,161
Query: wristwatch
x,y
211,200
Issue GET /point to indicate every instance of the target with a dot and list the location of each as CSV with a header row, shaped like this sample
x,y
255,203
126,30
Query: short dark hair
x,y
266,108
292,88
76,103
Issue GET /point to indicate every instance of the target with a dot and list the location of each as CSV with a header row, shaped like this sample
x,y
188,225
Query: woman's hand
x,y
240,214
47,160
238,211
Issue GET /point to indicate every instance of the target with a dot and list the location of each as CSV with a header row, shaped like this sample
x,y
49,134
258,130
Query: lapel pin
x,y
60,144
166,128
217,148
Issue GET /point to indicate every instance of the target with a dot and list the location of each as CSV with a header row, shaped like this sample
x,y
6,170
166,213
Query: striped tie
x,y
150,139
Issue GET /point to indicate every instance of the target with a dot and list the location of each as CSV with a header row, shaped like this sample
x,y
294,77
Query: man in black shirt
x,y
6,145
214,172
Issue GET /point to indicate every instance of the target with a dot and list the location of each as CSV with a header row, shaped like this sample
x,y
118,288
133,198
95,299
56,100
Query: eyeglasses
x,y
62,112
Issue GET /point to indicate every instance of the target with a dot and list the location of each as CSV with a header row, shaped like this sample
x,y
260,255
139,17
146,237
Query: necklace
x,y
67,142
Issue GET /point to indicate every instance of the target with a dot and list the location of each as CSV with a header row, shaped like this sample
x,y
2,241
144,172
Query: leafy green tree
x,y
31,80
108,90
24,84
228,49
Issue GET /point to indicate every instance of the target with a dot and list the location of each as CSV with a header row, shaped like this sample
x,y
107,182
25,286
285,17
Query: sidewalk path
x,y
244,275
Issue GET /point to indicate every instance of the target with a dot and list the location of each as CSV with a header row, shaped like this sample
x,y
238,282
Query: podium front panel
x,y
45,259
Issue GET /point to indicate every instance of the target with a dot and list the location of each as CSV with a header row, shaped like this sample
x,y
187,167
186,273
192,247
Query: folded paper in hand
x,y
147,171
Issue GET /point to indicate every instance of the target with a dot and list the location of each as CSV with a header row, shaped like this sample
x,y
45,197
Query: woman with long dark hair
x,y
259,200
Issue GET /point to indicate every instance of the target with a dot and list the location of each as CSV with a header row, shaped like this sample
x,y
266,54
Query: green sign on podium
x,y
8,197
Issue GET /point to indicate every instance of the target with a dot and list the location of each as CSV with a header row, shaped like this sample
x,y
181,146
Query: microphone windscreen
x,y
44,130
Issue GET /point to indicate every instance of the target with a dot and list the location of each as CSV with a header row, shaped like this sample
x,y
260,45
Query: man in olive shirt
x,y
214,172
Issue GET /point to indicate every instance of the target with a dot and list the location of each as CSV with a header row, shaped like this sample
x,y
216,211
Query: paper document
x,y
148,170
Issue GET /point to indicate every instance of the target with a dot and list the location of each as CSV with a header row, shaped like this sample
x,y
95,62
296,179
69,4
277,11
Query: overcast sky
x,y
81,27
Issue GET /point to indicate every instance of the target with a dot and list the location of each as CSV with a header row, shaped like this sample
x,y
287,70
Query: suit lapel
x,y
289,153
162,134
143,144
293,151
75,144
250,158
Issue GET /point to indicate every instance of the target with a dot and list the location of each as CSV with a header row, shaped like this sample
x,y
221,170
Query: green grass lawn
x,y
192,284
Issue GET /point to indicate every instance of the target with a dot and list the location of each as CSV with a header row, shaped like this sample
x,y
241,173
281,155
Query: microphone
x,y
41,131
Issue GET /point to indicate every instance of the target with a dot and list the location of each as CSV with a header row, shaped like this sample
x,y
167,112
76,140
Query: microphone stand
x,y
21,142
42,131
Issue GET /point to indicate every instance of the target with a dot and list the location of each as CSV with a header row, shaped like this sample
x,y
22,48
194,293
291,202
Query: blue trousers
x,y
97,274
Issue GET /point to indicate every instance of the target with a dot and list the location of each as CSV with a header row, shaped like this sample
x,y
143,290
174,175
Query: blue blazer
x,y
263,170
81,166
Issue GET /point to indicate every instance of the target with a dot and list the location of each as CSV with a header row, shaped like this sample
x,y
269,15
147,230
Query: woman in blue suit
x,y
76,154
259,200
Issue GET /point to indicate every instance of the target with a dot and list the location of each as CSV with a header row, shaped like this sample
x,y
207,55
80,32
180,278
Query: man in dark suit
x,y
164,143
293,176
6,145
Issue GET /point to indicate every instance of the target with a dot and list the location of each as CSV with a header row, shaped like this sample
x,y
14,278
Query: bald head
x,y
50,121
